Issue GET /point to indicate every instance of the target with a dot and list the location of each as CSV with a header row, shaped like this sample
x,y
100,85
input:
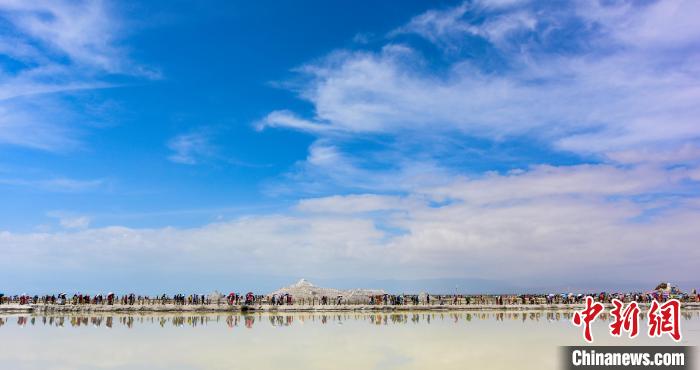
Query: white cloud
x,y
78,29
86,32
550,181
75,222
329,169
284,118
532,226
662,25
632,218
448,28
359,203
622,91
499,3
363,38
616,91
69,220
63,47
33,124
68,184
439,25
190,148
56,184
688,152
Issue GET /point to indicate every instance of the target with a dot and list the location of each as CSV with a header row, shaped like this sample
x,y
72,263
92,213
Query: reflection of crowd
x,y
285,320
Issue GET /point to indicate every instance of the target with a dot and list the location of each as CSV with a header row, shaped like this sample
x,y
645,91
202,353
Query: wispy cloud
x,y
552,227
358,203
589,79
59,47
285,118
190,148
69,220
614,83
613,86
328,169
35,123
57,184
79,222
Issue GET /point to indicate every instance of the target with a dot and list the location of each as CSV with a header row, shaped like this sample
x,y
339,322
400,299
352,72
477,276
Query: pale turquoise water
x,y
460,340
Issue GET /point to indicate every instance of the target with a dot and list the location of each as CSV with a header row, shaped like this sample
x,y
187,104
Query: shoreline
x,y
225,308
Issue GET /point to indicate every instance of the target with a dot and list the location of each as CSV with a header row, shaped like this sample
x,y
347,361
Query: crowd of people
x,y
249,298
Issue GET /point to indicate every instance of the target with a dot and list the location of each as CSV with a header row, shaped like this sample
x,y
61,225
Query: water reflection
x,y
289,319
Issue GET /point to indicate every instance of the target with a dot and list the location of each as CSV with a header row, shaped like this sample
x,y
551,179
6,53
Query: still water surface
x,y
421,340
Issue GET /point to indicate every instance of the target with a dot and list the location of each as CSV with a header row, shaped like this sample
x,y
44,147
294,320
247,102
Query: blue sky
x,y
481,142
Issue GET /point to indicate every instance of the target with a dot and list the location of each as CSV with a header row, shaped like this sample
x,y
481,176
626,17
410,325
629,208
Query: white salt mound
x,y
304,289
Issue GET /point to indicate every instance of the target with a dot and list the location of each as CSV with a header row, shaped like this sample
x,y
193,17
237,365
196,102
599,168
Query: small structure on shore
x,y
668,288
216,297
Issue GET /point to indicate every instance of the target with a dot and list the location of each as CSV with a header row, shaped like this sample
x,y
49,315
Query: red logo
x,y
662,318
587,316
627,319
665,318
